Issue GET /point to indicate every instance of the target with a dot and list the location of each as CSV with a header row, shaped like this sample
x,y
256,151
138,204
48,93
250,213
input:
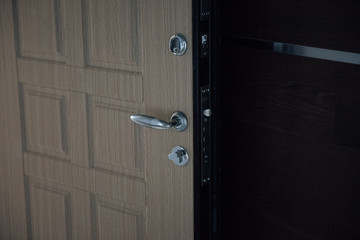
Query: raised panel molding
x,y
112,34
123,188
114,220
95,81
53,122
45,121
50,210
113,139
40,29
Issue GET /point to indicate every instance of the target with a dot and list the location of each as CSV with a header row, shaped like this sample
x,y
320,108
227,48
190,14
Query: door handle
x,y
178,121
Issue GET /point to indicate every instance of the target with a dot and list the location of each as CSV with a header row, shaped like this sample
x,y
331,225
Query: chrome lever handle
x,y
178,121
151,122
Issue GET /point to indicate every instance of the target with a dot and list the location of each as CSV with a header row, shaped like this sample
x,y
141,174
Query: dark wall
x,y
289,126
329,24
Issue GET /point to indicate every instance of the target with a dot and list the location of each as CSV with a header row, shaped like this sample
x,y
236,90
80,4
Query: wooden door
x,y
292,171
73,165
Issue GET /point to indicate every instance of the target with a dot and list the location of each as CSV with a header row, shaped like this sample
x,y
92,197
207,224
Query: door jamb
x,y
204,75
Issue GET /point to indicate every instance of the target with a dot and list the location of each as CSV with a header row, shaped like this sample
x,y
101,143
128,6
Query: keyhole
x,y
178,44
180,154
175,45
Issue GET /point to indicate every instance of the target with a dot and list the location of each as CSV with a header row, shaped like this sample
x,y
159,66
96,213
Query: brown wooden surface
x,y
12,206
72,77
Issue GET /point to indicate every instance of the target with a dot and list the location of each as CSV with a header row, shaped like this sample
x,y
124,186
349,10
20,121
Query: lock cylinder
x,y
179,156
178,44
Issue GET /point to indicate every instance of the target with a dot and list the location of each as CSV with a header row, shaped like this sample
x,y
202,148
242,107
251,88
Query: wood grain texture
x,y
58,212
120,48
171,78
82,156
107,118
113,84
41,29
116,220
46,121
12,207
50,212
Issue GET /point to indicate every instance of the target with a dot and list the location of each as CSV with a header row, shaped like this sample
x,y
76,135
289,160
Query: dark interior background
x,y
289,126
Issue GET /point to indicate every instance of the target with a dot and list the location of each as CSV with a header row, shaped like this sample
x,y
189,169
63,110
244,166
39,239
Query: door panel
x,y
84,67
102,44
50,205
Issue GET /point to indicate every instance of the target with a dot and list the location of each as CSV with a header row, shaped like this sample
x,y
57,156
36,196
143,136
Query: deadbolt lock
x,y
178,44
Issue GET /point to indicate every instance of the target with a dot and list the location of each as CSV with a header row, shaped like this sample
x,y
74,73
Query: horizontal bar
x,y
298,50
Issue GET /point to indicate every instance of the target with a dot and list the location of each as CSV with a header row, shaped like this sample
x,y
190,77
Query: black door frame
x,y
205,70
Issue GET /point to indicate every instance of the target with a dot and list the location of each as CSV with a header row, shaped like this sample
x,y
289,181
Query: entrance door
x,y
74,166
290,80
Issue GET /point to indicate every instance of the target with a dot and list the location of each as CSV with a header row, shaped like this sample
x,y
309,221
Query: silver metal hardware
x,y
179,156
207,112
178,44
300,50
204,47
204,10
178,121
205,120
